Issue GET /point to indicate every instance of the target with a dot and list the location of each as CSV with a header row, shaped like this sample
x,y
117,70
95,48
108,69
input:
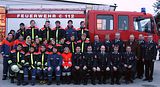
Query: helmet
x,y
15,68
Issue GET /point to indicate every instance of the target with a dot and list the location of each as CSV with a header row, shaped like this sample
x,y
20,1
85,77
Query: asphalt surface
x,y
137,82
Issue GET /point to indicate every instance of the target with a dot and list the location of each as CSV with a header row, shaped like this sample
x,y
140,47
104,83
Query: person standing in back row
x,y
70,31
150,57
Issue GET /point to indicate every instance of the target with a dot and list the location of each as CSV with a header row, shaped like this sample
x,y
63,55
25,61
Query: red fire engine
x,y
99,19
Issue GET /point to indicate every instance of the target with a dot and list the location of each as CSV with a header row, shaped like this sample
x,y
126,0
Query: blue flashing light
x,y
143,10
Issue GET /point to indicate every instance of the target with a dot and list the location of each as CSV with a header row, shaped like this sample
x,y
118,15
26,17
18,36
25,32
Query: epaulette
x,y
86,29
37,53
50,46
58,45
35,27
78,29
68,42
42,28
48,52
87,41
59,53
13,51
22,52
79,41
27,54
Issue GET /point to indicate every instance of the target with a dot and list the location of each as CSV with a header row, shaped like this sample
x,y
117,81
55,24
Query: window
x,y
123,22
143,25
104,22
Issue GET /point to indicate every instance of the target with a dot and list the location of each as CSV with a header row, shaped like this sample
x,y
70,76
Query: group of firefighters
x,y
67,55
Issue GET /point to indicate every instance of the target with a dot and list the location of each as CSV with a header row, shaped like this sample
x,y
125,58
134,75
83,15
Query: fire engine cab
x,y
100,19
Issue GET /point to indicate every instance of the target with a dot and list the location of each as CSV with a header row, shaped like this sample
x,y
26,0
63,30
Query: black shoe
x,y
58,83
112,83
145,79
25,83
33,83
100,82
126,82
93,83
12,80
104,82
150,80
18,83
131,81
84,82
49,83
4,78
118,83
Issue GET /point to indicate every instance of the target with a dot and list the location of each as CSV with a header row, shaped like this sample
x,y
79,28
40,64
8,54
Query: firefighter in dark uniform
x,y
103,69
54,66
82,30
108,43
6,48
89,66
150,57
96,44
32,31
27,44
119,42
16,57
42,66
129,64
83,43
21,31
115,65
77,65
58,32
30,66
46,31
70,31
61,46
20,40
132,43
72,44
66,65
140,56
37,44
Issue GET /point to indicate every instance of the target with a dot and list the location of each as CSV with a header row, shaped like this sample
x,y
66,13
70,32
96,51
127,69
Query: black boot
x,y
4,77
117,82
93,82
85,82
24,83
49,83
58,83
12,79
18,83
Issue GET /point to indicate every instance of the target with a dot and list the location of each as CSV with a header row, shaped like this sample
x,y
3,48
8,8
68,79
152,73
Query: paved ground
x,y
137,82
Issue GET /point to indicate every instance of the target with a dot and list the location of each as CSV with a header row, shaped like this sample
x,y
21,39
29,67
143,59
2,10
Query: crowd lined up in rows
x,y
67,55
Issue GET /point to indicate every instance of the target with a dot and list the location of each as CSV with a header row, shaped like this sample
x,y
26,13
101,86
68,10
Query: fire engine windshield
x,y
143,25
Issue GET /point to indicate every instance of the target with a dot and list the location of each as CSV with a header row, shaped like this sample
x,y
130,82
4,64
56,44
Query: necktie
x,y
82,46
73,47
47,34
32,33
42,60
57,35
17,57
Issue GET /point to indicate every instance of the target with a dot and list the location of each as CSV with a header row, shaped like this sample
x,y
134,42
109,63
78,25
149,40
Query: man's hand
x,y
58,68
115,68
107,69
49,68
